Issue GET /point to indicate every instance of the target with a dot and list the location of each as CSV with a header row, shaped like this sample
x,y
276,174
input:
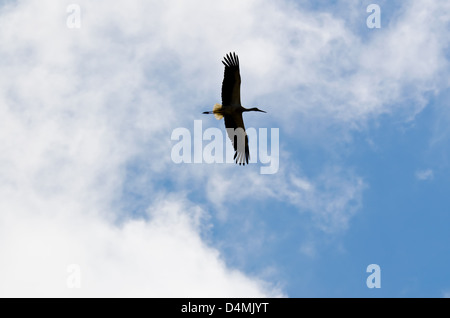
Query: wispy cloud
x,y
331,198
424,174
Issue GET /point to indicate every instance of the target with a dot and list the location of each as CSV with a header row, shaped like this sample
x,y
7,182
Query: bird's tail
x,y
216,111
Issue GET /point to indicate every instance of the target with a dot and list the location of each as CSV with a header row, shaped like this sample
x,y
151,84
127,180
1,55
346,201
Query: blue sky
x,y
87,180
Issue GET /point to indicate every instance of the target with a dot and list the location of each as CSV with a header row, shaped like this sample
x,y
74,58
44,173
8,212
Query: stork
x,y
231,109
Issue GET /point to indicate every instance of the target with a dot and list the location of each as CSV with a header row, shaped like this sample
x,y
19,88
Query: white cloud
x,y
163,256
424,174
77,106
323,74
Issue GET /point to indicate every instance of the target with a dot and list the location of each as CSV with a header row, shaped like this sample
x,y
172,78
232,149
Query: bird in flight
x,y
231,109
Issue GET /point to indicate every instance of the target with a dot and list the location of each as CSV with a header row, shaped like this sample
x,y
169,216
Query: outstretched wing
x,y
231,85
236,132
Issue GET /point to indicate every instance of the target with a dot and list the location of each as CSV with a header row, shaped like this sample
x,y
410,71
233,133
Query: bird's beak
x,y
261,111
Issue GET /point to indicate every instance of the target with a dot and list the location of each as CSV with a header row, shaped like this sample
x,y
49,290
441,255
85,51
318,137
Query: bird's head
x,y
254,109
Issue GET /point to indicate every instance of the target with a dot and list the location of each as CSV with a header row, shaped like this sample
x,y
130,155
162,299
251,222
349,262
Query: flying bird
x,y
231,109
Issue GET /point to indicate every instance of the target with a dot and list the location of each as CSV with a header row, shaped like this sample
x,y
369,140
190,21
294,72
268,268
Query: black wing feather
x,y
241,156
231,85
